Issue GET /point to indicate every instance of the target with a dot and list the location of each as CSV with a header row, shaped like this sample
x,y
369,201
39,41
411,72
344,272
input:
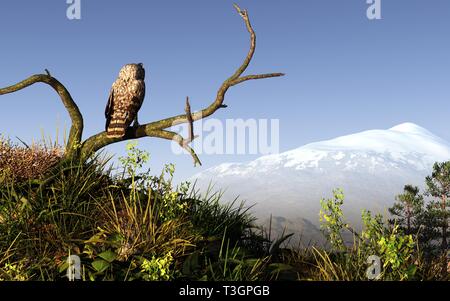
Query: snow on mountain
x,y
372,167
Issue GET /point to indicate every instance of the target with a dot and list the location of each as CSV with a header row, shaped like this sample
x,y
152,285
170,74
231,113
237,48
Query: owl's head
x,y
132,71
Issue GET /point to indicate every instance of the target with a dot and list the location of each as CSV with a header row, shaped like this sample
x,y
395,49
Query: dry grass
x,y
27,162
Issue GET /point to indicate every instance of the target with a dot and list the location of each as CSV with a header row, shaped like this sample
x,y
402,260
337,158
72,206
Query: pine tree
x,y
439,187
429,232
408,210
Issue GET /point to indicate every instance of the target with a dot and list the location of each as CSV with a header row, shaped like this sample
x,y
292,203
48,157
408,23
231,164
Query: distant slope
x,y
372,167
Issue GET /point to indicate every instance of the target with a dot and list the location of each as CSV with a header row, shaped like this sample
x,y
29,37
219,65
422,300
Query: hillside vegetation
x,y
130,225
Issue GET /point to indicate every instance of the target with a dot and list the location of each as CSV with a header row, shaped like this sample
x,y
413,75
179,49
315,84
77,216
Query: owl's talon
x,y
135,124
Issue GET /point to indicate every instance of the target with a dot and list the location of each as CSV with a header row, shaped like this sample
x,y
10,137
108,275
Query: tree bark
x,y
76,129
78,149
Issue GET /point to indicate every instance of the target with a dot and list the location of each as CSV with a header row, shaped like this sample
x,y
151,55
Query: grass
x,y
136,226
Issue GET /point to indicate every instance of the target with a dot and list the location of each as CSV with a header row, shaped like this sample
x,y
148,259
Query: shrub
x,y
394,248
26,162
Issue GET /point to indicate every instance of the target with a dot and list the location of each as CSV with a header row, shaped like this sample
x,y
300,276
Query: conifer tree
x,y
407,210
438,186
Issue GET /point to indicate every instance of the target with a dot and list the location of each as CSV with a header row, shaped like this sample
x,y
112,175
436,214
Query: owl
x,y
125,99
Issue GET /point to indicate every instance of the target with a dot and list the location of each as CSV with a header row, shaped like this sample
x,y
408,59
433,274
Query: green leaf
x,y
108,255
252,262
116,238
274,248
100,265
279,267
63,267
91,276
97,238
412,270
191,264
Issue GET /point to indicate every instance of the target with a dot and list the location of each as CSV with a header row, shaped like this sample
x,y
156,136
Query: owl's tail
x,y
116,128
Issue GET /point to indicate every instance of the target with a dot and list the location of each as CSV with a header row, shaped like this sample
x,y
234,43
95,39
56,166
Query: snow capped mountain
x,y
372,167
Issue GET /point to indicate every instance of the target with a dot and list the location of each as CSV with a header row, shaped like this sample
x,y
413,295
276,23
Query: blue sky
x,y
345,73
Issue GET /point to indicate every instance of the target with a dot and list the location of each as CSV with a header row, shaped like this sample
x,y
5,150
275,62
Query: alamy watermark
x,y
374,10
74,269
373,272
233,136
73,11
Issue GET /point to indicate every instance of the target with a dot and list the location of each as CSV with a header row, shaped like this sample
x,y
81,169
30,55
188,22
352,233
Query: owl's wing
x,y
140,94
109,108
136,95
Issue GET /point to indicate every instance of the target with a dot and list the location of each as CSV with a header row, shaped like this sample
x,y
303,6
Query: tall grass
x,y
136,226
213,218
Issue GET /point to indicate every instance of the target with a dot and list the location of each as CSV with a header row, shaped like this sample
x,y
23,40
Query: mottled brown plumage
x,y
125,99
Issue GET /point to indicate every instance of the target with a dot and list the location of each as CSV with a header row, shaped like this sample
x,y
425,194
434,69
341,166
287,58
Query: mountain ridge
x,y
371,166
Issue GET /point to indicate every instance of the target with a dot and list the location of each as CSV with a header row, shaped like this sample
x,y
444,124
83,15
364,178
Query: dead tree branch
x,y
74,139
158,129
190,122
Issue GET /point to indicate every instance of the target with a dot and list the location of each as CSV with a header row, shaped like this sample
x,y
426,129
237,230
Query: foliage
x,y
408,209
394,249
157,268
132,225
438,186
14,272
127,226
25,162
331,219
134,160
213,218
233,264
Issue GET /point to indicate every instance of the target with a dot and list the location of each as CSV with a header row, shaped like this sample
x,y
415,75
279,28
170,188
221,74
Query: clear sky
x,y
345,73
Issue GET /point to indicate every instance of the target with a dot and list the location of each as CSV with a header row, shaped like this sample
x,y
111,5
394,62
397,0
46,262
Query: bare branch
x,y
151,129
168,135
154,129
101,140
71,107
245,17
231,81
252,77
190,123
